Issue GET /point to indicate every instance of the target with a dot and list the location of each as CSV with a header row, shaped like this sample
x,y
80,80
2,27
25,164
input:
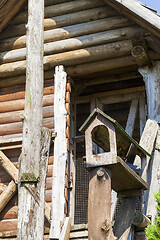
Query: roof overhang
x,y
135,10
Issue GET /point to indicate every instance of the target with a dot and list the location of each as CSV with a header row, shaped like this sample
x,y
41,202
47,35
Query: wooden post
x,y
31,161
60,153
99,205
151,78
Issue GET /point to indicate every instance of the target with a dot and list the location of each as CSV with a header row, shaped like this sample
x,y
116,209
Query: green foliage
x,y
153,230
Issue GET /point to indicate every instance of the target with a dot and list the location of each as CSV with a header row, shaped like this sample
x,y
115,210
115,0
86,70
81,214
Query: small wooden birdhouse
x,y
108,134
114,144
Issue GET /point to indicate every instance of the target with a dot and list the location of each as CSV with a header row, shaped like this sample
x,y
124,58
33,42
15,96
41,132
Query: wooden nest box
x,y
113,144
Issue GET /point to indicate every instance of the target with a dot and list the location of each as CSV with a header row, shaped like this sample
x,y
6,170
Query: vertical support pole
x,y
30,212
151,77
99,205
60,153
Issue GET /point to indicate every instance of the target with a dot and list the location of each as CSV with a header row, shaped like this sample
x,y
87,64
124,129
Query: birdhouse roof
x,y
123,139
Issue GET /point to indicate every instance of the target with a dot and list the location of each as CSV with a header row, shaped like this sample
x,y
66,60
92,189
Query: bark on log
x,y
69,32
76,43
62,21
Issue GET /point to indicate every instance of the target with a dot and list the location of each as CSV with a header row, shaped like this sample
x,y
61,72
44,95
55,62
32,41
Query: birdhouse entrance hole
x,y
99,146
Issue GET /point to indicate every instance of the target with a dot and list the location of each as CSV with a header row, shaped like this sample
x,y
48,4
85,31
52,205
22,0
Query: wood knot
x,y
106,226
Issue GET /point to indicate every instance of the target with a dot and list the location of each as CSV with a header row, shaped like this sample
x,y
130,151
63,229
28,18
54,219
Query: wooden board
x,y
124,178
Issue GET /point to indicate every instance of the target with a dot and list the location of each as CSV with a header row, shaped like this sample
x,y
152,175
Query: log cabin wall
x,y
94,44
12,105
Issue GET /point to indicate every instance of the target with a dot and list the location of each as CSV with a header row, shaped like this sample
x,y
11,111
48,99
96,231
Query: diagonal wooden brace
x,y
11,189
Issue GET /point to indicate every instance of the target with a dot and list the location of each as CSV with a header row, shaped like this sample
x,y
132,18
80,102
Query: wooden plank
x,y
131,117
80,234
99,204
7,194
60,153
138,13
65,233
79,227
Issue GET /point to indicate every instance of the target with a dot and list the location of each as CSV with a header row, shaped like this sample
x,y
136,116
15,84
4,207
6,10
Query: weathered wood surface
x,y
65,234
128,205
60,153
75,43
73,57
8,9
76,30
7,194
138,13
33,161
140,220
61,9
131,117
63,21
99,204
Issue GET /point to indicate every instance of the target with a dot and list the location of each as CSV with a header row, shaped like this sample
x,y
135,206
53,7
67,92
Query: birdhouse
x,y
113,144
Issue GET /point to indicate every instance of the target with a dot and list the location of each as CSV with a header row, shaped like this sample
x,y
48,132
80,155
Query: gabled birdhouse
x,y
114,144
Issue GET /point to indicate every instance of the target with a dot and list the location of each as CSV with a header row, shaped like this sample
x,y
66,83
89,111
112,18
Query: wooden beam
x,y
60,153
131,117
7,194
8,10
13,172
65,233
138,13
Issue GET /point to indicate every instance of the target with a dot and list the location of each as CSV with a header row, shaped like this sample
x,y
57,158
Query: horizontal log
x,y
11,225
76,43
80,56
61,9
104,65
50,171
7,194
13,128
48,196
62,21
53,2
69,32
16,105
21,94
12,117
8,225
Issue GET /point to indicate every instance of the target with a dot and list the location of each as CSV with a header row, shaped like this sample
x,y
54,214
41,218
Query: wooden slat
x,y
60,153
